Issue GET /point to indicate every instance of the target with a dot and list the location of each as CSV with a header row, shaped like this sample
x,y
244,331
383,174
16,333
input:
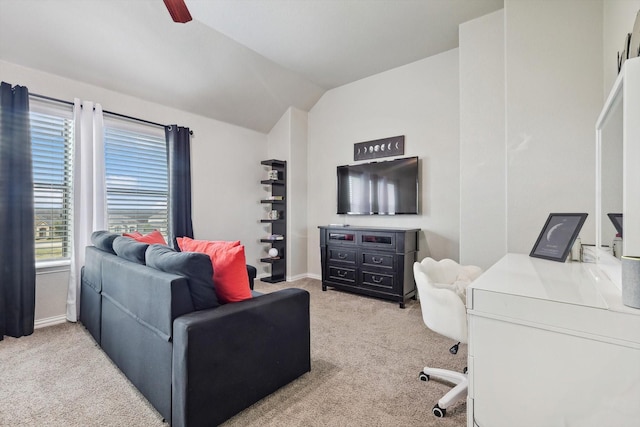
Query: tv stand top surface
x,y
367,228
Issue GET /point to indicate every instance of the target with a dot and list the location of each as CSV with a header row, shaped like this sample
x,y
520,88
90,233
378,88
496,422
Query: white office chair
x,y
442,292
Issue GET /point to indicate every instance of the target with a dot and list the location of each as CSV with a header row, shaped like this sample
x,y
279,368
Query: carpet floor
x,y
365,358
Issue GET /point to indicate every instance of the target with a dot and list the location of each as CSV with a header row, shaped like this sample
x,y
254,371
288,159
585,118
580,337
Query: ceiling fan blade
x,y
178,10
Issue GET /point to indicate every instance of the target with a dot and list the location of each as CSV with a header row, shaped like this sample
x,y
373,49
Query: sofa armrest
x,y
227,358
252,272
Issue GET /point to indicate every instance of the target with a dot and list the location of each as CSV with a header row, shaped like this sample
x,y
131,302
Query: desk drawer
x,y
342,275
378,260
341,255
378,281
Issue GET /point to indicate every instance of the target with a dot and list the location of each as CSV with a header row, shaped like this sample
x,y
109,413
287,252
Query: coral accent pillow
x,y
133,234
154,237
191,245
230,277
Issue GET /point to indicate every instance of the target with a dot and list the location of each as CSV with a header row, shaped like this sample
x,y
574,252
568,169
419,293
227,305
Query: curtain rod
x,y
48,98
123,116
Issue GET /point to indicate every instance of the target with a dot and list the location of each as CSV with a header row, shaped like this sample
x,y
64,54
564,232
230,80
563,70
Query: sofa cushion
x,y
154,237
103,240
196,267
130,249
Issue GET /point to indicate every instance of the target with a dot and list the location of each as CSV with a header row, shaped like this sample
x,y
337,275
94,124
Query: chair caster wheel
x,y
423,376
454,349
438,411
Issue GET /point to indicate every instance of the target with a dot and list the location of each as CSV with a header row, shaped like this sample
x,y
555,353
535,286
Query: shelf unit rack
x,y
278,188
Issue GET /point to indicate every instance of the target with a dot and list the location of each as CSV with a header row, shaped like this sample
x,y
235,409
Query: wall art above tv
x,y
378,148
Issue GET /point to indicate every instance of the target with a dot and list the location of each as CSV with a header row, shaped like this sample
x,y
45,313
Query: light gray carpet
x,y
365,358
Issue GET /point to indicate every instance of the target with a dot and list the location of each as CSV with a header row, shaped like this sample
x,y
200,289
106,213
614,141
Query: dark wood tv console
x,y
371,261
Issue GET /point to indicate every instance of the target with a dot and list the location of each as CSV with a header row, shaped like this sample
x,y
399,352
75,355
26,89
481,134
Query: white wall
x,y
278,147
279,138
51,295
553,94
287,140
554,86
298,194
619,17
483,231
225,167
553,98
420,101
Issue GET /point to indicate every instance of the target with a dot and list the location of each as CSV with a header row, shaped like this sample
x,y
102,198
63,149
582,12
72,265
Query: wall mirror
x,y
617,171
610,149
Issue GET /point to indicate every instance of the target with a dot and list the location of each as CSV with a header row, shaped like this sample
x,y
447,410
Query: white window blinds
x,y
136,176
52,147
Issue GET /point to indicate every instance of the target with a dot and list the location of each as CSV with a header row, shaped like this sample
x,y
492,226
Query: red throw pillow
x,y
154,237
190,245
230,277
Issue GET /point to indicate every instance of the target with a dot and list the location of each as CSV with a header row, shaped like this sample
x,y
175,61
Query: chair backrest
x,y
443,311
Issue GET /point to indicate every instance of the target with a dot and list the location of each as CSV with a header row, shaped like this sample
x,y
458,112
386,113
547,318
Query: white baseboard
x,y
294,278
50,321
297,277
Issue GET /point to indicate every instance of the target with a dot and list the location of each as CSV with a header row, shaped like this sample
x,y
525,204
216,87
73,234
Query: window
x,y
136,176
51,150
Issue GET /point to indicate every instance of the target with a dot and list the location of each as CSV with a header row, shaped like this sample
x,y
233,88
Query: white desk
x,y
551,344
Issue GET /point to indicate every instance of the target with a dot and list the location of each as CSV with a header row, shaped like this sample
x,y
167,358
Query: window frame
x,y
151,136
59,111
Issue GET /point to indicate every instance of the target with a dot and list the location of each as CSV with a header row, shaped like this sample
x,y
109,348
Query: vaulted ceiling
x,y
239,61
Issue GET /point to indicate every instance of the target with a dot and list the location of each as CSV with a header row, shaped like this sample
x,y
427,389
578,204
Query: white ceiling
x,y
240,61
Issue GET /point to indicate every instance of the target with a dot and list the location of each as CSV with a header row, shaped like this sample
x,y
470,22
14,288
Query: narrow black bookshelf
x,y
277,199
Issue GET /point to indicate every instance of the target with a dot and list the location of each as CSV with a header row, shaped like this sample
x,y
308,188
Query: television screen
x,y
379,188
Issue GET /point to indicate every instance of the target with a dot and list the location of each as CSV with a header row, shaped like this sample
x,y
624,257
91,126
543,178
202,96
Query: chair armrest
x,y
227,358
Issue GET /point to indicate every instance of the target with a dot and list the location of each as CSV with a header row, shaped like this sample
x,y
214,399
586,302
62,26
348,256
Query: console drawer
x,y
341,238
380,260
341,255
377,281
378,239
342,275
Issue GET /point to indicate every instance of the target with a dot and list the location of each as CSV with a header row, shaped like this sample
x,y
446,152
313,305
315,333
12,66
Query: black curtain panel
x,y
179,160
17,251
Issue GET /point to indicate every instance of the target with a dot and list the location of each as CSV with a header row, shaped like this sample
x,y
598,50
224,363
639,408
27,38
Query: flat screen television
x,y
379,188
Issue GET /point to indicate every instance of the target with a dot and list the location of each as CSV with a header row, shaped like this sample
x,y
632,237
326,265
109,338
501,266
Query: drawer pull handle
x,y
377,279
377,260
342,256
342,273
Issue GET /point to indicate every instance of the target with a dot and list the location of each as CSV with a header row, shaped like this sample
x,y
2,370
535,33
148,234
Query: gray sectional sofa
x,y
154,313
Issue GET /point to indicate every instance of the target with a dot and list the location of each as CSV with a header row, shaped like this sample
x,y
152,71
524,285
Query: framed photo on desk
x,y
557,236
616,219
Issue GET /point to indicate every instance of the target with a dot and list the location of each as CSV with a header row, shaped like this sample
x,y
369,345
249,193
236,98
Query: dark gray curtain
x,y
17,252
179,160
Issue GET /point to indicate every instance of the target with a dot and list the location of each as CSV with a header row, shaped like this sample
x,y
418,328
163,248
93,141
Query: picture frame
x,y
616,220
558,235
378,148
